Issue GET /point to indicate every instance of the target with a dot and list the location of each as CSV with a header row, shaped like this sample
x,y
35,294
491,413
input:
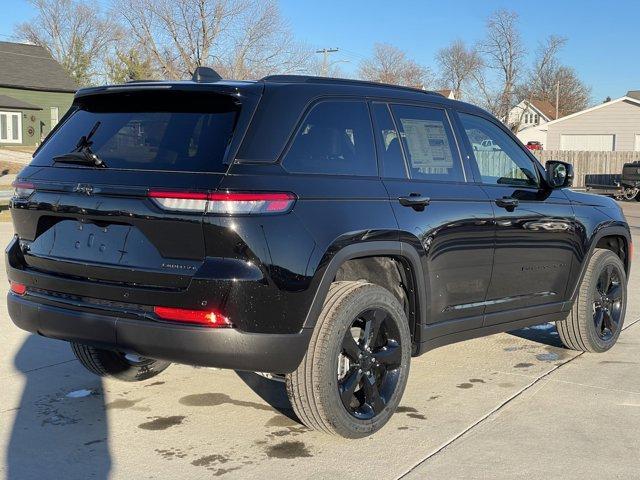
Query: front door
x,y
536,233
448,220
10,127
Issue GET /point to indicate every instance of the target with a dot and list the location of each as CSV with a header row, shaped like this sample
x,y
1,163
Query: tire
x,y
378,376
629,193
108,363
595,321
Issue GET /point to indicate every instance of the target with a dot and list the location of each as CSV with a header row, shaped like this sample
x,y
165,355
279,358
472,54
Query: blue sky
x,y
602,36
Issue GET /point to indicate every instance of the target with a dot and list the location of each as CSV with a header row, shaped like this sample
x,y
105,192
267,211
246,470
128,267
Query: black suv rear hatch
x,y
95,220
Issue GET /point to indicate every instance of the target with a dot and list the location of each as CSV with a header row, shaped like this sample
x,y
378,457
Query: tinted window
x,y
334,138
180,132
389,150
428,143
500,159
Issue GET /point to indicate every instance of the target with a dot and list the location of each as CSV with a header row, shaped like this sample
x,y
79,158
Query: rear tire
x,y
597,316
354,373
108,363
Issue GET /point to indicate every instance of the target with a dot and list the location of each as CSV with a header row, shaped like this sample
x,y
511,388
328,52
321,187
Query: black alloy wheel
x,y
369,364
607,302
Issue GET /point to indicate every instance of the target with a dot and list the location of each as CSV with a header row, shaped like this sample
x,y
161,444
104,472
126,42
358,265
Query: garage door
x,y
593,143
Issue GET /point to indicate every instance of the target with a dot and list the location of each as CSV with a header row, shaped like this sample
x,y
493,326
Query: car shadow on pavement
x,y
58,432
545,333
271,391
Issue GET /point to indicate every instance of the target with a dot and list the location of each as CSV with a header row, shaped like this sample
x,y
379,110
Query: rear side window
x,y
334,138
176,131
428,143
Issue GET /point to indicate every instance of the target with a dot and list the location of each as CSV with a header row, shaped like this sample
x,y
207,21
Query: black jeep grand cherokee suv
x,y
320,229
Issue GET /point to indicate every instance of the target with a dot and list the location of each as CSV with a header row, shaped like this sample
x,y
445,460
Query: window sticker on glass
x,y
427,143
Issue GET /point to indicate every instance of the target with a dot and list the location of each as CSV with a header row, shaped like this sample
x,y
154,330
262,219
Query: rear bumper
x,y
223,348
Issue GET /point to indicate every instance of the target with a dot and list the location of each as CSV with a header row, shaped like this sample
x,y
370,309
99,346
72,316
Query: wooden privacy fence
x,y
589,162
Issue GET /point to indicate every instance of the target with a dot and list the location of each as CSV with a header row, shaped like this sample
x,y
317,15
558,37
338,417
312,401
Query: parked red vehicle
x,y
533,145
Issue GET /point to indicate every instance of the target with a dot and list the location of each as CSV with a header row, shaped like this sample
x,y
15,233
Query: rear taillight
x,y
231,203
225,203
180,201
23,189
18,288
208,318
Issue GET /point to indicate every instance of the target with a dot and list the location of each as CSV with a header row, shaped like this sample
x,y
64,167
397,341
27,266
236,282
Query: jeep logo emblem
x,y
84,188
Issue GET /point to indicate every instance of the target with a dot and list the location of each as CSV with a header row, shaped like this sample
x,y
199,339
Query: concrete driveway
x,y
511,405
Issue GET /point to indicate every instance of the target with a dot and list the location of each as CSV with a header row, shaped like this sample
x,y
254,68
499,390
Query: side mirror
x,y
559,174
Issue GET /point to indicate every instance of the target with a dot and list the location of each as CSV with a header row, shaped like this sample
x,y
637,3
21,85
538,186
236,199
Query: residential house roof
x,y
447,93
635,101
634,94
32,67
15,104
545,107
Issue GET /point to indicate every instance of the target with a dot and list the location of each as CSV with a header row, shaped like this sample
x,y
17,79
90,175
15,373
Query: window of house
x,y
10,127
428,143
503,162
334,138
54,117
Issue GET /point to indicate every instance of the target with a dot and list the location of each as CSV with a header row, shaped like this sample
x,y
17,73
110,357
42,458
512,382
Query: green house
x,y
35,92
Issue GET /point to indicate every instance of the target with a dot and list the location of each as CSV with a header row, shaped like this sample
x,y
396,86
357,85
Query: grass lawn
x,y
5,216
9,168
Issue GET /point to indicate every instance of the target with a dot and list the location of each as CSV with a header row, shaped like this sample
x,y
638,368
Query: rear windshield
x,y
176,131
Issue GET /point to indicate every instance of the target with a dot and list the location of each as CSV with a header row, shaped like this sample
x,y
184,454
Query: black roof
x,y
32,67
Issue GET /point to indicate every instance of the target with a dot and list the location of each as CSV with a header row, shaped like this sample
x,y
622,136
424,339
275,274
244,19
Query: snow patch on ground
x,y
544,326
79,393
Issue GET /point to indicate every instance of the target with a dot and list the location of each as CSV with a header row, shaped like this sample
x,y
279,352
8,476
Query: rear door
x,y
445,217
136,220
536,232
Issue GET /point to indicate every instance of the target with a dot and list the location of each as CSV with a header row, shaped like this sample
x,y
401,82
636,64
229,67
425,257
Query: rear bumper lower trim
x,y
222,348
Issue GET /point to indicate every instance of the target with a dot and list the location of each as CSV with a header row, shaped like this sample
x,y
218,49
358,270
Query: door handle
x,y
508,203
415,201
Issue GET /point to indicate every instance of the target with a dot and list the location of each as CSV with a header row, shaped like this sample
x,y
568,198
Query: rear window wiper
x,y
81,157
82,154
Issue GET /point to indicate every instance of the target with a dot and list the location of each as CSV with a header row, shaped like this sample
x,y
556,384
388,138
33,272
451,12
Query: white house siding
x,y
621,119
524,116
534,134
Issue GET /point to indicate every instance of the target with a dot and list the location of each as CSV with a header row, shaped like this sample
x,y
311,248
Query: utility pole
x,y
557,99
325,59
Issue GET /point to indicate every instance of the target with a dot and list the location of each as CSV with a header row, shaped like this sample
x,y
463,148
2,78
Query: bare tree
x,y
76,33
389,64
549,77
458,65
505,54
242,38
574,95
128,64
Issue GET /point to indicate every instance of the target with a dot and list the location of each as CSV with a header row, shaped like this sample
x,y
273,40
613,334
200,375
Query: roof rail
x,y
143,81
338,81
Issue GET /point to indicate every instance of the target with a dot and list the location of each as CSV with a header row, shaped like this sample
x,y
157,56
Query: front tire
x,y
597,316
630,193
122,366
355,370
